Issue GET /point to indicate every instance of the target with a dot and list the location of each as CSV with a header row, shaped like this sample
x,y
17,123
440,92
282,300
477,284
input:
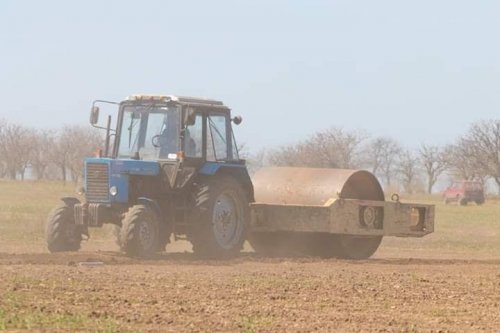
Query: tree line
x,y
48,154
474,155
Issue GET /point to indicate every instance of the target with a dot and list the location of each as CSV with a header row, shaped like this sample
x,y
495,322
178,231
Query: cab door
x,y
193,147
221,146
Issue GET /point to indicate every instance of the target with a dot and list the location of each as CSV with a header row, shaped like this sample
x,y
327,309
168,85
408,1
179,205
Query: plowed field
x,y
446,282
108,292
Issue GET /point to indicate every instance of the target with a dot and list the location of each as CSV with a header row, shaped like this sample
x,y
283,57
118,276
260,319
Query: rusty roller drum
x,y
314,186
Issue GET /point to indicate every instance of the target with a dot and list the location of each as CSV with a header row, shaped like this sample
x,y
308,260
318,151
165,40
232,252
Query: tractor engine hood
x,y
107,180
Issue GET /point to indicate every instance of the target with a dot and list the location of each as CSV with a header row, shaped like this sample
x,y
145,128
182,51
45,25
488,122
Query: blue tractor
x,y
173,169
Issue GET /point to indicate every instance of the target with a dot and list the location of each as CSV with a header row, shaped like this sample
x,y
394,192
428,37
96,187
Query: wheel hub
x,y
225,220
370,217
145,235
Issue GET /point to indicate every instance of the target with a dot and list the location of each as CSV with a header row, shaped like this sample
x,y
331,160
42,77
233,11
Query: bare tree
x,y
408,170
433,159
332,148
40,159
476,154
3,164
461,162
292,155
3,168
382,154
16,143
483,140
71,146
74,144
338,148
60,154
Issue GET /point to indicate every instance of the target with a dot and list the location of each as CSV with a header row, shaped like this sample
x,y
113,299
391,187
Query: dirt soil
x,y
448,281
106,291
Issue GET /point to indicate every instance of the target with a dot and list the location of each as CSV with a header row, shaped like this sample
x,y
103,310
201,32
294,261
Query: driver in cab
x,y
167,141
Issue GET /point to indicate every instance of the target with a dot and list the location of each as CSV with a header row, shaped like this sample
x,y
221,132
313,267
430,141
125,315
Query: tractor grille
x,y
97,182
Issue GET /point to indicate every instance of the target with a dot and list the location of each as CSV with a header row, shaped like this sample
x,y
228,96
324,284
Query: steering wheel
x,y
155,141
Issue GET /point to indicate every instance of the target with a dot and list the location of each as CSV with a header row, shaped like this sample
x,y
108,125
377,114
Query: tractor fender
x,y
70,201
150,203
238,172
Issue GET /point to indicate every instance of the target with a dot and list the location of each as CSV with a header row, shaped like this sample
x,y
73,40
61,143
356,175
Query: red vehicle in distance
x,y
463,192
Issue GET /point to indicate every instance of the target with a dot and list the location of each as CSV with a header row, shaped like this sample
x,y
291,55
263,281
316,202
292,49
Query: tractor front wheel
x,y
139,231
221,218
62,233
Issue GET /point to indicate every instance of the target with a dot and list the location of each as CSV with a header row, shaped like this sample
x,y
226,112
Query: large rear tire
x,y
139,231
62,233
221,217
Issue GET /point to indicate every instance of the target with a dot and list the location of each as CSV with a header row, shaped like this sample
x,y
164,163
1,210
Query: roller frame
x,y
344,216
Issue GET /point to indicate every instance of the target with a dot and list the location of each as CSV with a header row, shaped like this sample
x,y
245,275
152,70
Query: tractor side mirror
x,y
190,117
237,120
94,115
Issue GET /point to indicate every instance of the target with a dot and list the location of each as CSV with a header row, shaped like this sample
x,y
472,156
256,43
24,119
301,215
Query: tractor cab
x,y
174,129
171,128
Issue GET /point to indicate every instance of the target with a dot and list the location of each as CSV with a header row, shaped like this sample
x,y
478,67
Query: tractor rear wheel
x,y
139,231
220,218
62,232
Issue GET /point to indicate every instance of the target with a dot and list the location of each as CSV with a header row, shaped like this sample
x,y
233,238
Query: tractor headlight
x,y
113,190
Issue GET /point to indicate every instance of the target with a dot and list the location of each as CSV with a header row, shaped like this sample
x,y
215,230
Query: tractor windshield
x,y
149,131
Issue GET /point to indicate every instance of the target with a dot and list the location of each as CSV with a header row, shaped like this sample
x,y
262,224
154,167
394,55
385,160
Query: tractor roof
x,y
179,99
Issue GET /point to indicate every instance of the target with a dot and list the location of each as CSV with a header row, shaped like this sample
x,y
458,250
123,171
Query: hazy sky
x,y
418,71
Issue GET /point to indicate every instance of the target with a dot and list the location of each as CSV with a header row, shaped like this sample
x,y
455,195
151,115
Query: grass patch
x,y
254,323
21,309
56,322
24,207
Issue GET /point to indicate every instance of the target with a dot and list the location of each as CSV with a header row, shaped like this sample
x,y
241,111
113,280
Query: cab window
x,y
193,138
216,138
